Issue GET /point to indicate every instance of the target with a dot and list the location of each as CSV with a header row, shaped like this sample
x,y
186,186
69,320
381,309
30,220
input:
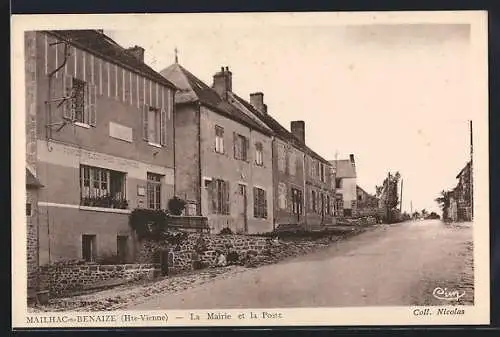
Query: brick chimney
x,y
257,101
223,82
298,129
138,52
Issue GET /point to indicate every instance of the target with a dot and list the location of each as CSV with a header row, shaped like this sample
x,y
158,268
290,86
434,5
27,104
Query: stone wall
x,y
250,250
32,241
73,277
199,247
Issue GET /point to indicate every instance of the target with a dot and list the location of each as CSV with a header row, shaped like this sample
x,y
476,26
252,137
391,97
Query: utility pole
x,y
387,191
411,208
401,198
470,173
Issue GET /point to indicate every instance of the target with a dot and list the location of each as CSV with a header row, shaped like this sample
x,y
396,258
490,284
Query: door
x,y
241,200
297,203
122,248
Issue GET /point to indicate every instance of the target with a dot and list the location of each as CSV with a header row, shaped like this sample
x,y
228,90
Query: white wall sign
x,y
120,132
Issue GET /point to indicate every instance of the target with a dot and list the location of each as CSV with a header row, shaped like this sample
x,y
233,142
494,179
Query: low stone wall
x,y
203,250
72,277
200,247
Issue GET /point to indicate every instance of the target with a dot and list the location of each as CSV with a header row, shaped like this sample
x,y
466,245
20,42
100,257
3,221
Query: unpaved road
x,y
389,265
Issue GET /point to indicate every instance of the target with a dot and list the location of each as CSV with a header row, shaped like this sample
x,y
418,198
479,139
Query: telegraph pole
x,y
470,173
387,191
401,201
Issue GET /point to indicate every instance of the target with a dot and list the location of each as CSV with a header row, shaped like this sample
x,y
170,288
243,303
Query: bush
x,y
176,205
226,231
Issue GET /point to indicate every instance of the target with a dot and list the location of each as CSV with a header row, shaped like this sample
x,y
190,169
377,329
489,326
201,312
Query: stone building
x,y
302,179
345,186
223,157
463,194
366,204
100,139
32,187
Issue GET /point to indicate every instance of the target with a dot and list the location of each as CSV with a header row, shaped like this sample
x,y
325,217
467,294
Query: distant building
x,y
345,186
463,193
367,204
303,180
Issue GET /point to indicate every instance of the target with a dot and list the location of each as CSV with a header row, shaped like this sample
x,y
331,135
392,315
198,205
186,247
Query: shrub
x,y
176,205
226,231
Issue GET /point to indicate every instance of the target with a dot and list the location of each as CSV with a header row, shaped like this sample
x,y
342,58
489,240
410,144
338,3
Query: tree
x,y
416,215
444,203
424,213
388,192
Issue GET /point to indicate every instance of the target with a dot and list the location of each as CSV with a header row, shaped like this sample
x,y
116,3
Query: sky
x,y
396,96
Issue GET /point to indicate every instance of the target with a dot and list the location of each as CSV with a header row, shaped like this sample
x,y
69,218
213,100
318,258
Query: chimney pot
x,y
298,129
223,82
351,157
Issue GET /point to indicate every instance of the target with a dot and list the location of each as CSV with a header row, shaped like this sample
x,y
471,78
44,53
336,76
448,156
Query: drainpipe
x,y
200,184
304,196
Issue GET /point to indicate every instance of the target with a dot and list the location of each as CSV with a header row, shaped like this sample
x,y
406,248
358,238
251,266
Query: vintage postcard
x,y
250,169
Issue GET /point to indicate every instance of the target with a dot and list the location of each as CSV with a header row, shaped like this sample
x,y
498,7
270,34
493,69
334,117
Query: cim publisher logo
x,y
447,294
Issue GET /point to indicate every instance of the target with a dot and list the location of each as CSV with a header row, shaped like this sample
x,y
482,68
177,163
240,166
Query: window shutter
x,y
68,106
255,203
226,197
247,148
163,121
212,195
264,200
235,145
92,91
145,122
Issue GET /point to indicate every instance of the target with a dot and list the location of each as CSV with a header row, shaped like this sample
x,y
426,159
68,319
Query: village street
x,y
390,265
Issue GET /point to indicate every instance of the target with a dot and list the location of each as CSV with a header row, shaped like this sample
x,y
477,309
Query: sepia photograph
x,y
250,169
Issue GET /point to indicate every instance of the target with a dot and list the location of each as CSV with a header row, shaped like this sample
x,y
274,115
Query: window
x,y
122,248
219,139
282,195
154,125
241,189
259,154
28,209
328,205
80,105
313,201
338,183
259,203
292,164
281,158
219,194
154,190
296,201
322,172
360,197
89,247
240,147
102,188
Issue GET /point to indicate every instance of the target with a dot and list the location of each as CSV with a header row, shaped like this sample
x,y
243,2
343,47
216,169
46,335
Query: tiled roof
x,y
344,168
280,131
31,181
362,190
466,167
192,89
103,46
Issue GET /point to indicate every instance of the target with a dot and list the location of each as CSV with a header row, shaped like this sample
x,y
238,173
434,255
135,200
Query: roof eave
x,y
164,82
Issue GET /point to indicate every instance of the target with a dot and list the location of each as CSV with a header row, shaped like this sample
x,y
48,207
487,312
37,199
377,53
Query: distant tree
x,y
444,203
424,213
388,191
